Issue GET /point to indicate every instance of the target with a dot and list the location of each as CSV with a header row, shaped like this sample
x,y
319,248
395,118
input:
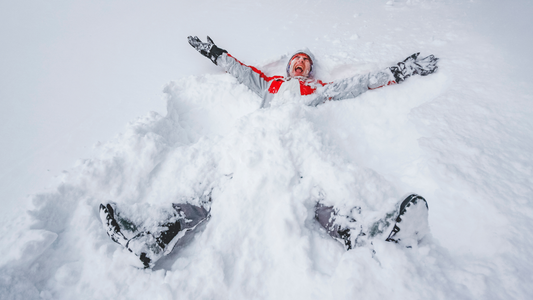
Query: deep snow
x,y
462,138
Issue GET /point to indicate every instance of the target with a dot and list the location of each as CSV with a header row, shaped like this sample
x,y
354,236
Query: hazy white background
x,y
74,73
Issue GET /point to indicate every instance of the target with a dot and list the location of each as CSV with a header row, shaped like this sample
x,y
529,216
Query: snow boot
x,y
412,222
107,216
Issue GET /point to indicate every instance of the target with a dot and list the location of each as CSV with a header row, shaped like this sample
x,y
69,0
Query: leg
x,y
410,227
190,215
151,246
337,226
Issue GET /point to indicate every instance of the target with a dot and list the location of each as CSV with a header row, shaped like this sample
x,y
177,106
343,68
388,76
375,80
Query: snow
x,y
462,138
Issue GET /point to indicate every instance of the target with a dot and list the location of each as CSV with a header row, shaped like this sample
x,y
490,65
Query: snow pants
x,y
347,230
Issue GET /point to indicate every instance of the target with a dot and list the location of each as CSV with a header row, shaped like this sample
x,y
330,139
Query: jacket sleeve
x,y
250,76
355,86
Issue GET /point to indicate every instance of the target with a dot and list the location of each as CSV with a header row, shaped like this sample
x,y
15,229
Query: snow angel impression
x,y
407,224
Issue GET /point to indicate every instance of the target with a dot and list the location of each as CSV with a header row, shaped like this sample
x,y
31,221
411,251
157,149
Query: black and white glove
x,y
209,49
413,65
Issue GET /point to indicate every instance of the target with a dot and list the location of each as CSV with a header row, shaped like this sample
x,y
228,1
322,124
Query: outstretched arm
x,y
355,86
250,76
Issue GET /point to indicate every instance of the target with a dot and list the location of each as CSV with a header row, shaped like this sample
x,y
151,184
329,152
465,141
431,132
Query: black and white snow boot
x,y
107,216
412,222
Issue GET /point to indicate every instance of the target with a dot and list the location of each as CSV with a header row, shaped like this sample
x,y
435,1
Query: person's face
x,y
300,65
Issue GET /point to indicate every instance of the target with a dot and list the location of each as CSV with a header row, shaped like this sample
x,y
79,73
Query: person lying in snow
x,y
300,75
411,216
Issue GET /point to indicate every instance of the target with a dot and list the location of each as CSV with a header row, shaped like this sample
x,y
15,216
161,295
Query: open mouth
x,y
299,69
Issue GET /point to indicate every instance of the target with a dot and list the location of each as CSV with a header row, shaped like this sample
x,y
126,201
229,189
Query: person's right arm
x,y
250,76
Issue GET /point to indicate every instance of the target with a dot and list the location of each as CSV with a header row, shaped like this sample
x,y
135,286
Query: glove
x,y
209,49
412,66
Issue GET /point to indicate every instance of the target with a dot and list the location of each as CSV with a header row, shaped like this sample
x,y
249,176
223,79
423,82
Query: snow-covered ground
x,y
462,138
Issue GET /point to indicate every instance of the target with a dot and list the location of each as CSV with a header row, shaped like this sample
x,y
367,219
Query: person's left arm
x,y
355,86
